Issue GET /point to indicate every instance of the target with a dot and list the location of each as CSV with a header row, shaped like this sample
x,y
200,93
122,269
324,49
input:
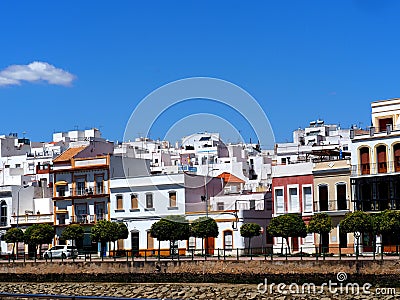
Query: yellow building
x,y
332,195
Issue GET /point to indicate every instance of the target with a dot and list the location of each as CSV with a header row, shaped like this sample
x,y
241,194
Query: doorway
x,y
135,242
209,244
295,244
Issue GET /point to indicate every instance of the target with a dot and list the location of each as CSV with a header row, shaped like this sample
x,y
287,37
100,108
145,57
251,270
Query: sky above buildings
x,y
82,64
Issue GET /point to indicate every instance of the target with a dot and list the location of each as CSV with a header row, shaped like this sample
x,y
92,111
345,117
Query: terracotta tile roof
x,y
68,154
229,178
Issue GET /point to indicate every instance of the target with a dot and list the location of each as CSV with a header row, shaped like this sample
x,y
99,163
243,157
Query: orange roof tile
x,y
229,178
68,154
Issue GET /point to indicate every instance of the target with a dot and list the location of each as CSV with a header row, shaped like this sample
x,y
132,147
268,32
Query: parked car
x,y
61,251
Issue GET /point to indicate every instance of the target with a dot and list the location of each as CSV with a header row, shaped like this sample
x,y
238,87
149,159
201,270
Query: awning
x,y
61,182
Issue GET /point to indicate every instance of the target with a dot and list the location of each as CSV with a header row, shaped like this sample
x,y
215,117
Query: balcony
x,y
90,192
32,219
332,207
98,191
375,168
377,205
87,219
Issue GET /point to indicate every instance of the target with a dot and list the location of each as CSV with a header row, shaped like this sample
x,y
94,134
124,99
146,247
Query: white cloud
x,y
35,72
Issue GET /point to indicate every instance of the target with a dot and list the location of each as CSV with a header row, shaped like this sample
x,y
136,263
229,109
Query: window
x,y
192,243
381,159
283,161
220,206
61,219
341,196
309,238
228,241
280,208
172,199
252,204
120,204
99,210
308,201
120,244
81,212
293,200
396,153
99,185
149,200
80,188
364,157
173,247
3,213
150,241
323,197
61,191
383,123
18,165
134,201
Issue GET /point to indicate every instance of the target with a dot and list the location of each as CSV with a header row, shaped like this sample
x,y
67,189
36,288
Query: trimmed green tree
x,y
250,230
171,228
358,222
389,223
74,232
159,230
287,225
104,231
39,234
122,232
14,236
320,223
204,228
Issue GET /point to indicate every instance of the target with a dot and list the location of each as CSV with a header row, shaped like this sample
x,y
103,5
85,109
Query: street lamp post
x,y
357,236
21,187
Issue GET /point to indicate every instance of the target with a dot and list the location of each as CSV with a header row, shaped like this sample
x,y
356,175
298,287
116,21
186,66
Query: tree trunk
x,y
248,251
282,246
287,243
202,246
14,249
320,242
159,247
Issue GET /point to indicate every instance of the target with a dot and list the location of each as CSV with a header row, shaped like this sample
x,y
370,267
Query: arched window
x,y
3,213
381,158
364,159
341,196
396,158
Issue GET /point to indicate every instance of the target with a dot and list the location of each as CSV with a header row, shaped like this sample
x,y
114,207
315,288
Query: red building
x,y
292,192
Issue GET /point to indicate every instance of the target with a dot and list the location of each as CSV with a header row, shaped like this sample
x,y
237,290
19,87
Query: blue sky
x,y
301,60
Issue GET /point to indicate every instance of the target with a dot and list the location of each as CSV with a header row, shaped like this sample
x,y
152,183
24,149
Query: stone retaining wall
x,y
376,272
210,267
